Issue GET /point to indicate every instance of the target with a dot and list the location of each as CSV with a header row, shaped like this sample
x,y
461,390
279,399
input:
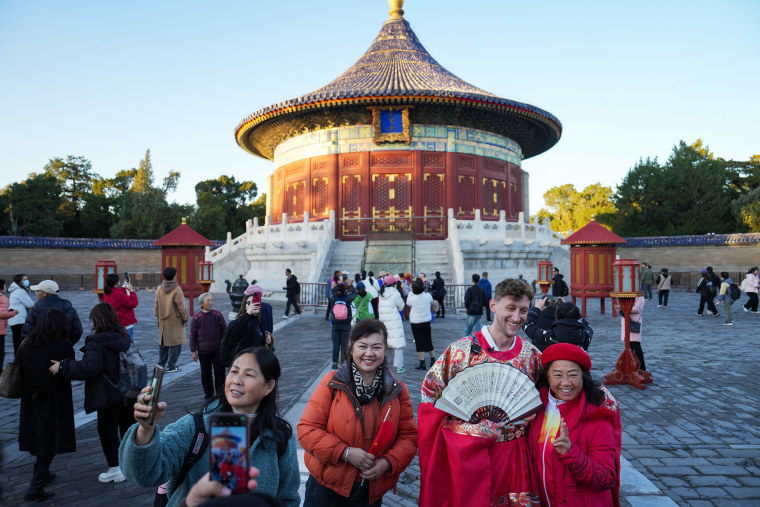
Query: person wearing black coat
x,y
568,326
244,332
292,292
47,297
46,424
438,291
100,359
707,292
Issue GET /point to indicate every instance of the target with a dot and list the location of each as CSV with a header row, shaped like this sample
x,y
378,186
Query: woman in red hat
x,y
575,441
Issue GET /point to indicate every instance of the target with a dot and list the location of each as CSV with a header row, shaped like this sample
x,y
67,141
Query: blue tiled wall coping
x,y
122,244
701,240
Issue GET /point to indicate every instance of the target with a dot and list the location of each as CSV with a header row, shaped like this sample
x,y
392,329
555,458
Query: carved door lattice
x,y
433,194
319,197
351,210
493,196
294,200
466,195
391,203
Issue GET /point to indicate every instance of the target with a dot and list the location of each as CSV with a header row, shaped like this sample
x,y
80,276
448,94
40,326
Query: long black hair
x,y
267,417
52,325
105,320
111,280
591,387
19,280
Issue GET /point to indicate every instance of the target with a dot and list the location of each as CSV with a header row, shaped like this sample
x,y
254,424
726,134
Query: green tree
x,y
224,204
689,194
569,209
75,176
747,208
31,207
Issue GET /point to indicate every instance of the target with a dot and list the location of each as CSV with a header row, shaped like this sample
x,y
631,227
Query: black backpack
x,y
564,291
734,291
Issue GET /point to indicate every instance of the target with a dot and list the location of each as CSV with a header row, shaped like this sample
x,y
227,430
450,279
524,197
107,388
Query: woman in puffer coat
x,y
19,299
568,326
341,422
391,303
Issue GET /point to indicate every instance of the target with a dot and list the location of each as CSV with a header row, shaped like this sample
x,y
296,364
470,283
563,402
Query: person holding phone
x,y
124,301
151,455
245,331
352,457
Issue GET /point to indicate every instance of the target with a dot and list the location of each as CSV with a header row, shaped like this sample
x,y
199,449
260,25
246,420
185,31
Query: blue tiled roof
x,y
397,68
41,242
696,240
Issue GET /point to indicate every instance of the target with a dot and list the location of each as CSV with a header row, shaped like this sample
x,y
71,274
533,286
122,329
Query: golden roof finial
x,y
184,220
396,11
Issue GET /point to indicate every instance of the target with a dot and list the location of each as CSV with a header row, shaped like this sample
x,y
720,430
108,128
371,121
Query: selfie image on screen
x,y
229,460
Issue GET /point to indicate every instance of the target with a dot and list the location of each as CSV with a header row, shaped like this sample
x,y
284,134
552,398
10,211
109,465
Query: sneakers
x,y
699,315
173,370
755,311
335,366
401,370
113,474
745,309
728,323
659,306
284,316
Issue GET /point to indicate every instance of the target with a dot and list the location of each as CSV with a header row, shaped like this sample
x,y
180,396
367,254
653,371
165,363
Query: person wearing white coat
x,y
390,304
19,299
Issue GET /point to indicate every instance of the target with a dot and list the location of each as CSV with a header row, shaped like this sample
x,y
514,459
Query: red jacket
x,y
589,474
334,420
123,304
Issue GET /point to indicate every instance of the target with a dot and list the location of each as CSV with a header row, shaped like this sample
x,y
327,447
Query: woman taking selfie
x,y
152,456
343,418
245,331
575,441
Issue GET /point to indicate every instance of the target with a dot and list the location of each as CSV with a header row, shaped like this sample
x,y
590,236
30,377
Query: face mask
x,y
26,283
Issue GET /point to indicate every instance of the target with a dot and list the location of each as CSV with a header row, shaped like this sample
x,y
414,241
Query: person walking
x,y
363,302
47,297
19,300
750,286
438,291
636,316
99,368
124,301
559,286
663,288
706,293
5,314
390,305
292,293
340,320
647,280
206,330
484,284
329,292
724,297
171,311
419,316
474,299
46,417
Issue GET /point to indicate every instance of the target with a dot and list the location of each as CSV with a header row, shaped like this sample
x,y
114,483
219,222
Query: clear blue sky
x,y
106,80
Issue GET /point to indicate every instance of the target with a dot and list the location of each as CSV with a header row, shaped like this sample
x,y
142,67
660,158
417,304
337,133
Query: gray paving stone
x,y
688,462
711,480
721,470
663,470
744,492
673,482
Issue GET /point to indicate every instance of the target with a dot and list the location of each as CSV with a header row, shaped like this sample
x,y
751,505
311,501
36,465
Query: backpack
x,y
133,373
341,312
564,291
198,446
734,291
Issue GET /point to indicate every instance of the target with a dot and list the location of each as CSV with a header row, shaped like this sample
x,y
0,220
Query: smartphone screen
x,y
155,391
256,297
229,451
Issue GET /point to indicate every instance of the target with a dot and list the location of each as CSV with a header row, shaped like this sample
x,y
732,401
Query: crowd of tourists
x,y
358,430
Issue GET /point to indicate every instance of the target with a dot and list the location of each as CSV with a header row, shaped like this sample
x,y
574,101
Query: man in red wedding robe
x,y
462,463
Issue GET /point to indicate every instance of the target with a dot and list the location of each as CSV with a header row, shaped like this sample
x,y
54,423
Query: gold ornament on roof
x,y
396,11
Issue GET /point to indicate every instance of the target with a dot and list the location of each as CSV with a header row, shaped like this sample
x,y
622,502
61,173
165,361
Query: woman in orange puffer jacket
x,y
343,418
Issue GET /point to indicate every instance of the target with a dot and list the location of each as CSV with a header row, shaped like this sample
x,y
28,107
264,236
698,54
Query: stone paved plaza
x,y
691,438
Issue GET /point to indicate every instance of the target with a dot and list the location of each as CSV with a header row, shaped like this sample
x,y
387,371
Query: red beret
x,y
568,352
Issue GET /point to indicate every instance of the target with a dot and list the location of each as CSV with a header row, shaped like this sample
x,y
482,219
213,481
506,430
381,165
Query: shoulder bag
x,y
11,379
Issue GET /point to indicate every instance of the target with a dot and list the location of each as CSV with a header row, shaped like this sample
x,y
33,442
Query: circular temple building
x,y
395,142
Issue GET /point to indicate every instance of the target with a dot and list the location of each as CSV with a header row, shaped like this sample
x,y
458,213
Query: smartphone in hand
x,y
229,450
155,391
256,297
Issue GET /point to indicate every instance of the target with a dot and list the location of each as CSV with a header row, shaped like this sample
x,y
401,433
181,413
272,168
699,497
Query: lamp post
x,y
626,290
102,269
205,274
544,276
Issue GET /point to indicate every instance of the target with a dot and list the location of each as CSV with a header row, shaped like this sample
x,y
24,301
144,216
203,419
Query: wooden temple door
x,y
351,210
434,221
391,203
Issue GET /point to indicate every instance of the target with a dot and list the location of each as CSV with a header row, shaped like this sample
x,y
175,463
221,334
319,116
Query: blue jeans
x,y
340,334
171,353
473,324
647,288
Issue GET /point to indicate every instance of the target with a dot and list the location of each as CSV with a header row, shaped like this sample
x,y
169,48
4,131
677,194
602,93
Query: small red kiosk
x,y
184,249
592,252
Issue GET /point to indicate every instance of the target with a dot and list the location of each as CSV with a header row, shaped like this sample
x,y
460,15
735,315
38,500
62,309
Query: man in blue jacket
x,y
47,297
486,286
